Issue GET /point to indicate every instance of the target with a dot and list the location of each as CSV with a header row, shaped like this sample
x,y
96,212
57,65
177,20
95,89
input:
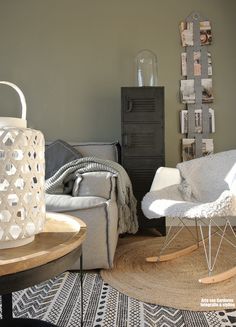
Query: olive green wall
x,y
70,57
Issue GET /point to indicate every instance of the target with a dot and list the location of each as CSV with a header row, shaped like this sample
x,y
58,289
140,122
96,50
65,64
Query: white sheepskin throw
x,y
207,190
168,202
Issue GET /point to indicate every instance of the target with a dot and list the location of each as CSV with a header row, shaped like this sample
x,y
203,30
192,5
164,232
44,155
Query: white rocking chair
x,y
202,190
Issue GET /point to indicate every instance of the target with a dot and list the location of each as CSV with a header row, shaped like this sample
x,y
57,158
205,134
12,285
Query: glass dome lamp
x,y
146,68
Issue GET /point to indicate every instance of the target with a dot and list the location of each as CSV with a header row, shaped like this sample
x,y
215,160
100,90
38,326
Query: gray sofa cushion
x,y
97,183
57,154
102,150
62,202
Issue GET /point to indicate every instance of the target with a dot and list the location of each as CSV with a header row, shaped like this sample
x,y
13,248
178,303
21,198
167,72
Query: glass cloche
x,y
146,68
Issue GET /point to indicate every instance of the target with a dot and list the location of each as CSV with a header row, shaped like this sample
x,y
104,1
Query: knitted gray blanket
x,y
62,182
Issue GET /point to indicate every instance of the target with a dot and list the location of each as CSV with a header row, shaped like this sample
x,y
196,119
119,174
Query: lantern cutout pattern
x,y
22,199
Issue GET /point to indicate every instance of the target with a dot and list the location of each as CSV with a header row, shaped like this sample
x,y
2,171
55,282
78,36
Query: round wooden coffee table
x,y
52,252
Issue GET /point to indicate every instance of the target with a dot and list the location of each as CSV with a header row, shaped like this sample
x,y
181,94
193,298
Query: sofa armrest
x,y
99,183
165,177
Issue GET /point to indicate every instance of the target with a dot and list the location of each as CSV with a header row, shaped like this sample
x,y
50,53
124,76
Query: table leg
x,y
81,290
7,306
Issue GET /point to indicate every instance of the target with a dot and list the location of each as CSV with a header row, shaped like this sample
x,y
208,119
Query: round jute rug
x,y
173,283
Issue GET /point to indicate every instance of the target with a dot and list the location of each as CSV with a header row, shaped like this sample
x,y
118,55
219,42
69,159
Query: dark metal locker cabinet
x,y
142,149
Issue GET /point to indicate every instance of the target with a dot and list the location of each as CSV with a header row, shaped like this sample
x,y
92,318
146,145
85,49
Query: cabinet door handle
x,y
125,140
130,106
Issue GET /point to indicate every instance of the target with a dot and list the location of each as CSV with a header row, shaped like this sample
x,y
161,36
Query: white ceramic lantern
x,y
22,200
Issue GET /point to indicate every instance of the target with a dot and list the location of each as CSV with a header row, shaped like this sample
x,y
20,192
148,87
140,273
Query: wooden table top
x,y
62,234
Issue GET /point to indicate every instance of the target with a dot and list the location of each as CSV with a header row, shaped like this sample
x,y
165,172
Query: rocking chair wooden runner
x,y
166,199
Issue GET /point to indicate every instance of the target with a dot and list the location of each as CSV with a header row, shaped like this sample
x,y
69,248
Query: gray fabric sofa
x,y
96,206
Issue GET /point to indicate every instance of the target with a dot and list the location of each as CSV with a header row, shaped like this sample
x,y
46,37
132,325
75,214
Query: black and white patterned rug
x,y
58,301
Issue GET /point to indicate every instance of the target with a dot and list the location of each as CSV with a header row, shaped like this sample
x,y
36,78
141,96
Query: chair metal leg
x,y
210,261
221,231
196,229
209,249
169,239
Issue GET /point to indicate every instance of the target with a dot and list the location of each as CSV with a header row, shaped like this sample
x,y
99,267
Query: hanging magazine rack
x,y
197,121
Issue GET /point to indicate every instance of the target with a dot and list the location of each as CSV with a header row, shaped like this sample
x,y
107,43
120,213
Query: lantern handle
x,y
21,95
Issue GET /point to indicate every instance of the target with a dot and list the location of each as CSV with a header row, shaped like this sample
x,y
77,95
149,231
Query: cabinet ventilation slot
x,y
147,105
143,140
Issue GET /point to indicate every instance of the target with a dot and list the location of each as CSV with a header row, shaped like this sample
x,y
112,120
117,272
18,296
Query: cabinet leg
x,y
154,227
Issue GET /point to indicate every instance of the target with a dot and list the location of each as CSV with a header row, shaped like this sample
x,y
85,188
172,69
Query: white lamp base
x,y
15,243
